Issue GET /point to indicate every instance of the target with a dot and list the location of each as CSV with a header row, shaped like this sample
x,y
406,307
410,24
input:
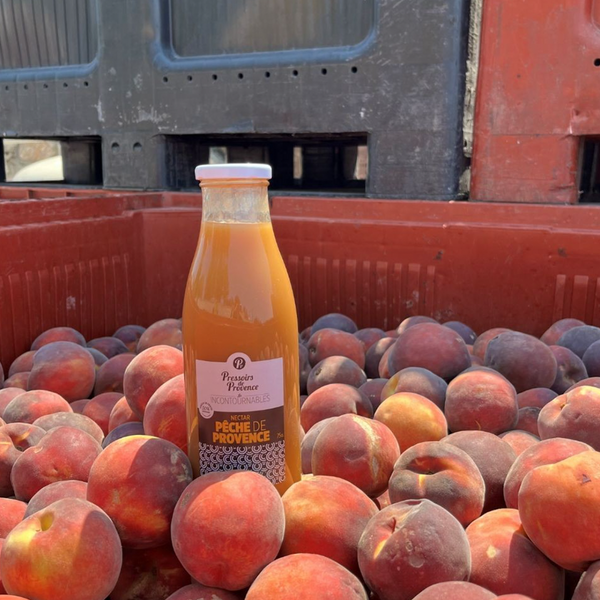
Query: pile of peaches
x,y
438,465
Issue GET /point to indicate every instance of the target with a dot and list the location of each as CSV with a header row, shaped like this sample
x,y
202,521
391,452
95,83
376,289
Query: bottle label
x,y
240,416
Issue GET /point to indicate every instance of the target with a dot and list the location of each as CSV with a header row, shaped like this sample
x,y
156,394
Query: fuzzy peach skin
x,y
147,372
109,346
58,334
326,515
7,395
8,457
99,408
335,369
519,440
559,506
226,544
556,330
29,406
536,397
65,419
129,335
410,546
588,587
59,490
308,443
65,368
481,343
11,514
360,450
417,381
333,342
22,364
196,591
23,435
162,333
137,481
111,374
121,413
455,590
18,380
67,551
505,561
306,577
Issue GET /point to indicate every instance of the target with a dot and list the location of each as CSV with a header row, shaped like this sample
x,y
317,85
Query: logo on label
x,y
206,410
239,363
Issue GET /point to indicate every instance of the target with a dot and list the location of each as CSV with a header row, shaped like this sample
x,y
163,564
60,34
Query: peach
x,y
147,372
11,514
59,490
384,364
412,321
162,333
22,363
99,358
505,561
79,405
493,457
334,400
64,419
375,354
334,321
195,591
149,574
109,346
591,381
335,369
58,334
23,435
360,450
137,481
455,590
48,462
547,452
465,332
6,395
536,397
591,360
372,389
123,430
227,544
305,577
326,515
165,414
588,587
481,343
481,400
308,442
305,335
570,369
430,346
574,415
333,342
553,333
442,473
8,457
579,339
523,359
64,368
67,551
412,419
410,546
18,380
519,441
130,335
559,505
369,336
2,590
99,408
29,406
383,501
110,375
527,421
304,367
120,414
417,381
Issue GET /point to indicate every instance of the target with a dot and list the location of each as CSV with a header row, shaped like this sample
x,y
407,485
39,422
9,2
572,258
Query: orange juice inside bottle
x,y
240,335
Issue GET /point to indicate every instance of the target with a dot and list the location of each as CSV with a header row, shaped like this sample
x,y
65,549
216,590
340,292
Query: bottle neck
x,y
235,201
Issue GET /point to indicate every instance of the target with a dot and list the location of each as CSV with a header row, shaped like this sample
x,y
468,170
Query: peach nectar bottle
x,y
240,334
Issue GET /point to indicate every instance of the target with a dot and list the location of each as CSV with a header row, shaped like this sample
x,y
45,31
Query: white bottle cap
x,y
233,171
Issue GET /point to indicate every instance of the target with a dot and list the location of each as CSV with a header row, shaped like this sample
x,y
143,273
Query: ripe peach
x,y
333,342
65,419
22,363
574,415
335,369
18,380
505,561
6,395
129,335
374,355
227,544
109,346
410,546
591,360
412,419
99,408
558,504
79,405
591,381
547,452
29,406
481,400
23,435
493,457
527,421
553,333
162,333
588,587
570,369
59,490
304,367
372,389
147,372
417,381
124,430
58,334
196,591
165,414
304,577
48,462
384,364
455,590
430,346
369,336
536,397
67,551
64,368
8,457
412,321
326,515
442,473
110,375
579,339
120,414
335,321
99,358
137,481
308,442
360,450
519,441
305,335
334,400
11,514
465,332
481,343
